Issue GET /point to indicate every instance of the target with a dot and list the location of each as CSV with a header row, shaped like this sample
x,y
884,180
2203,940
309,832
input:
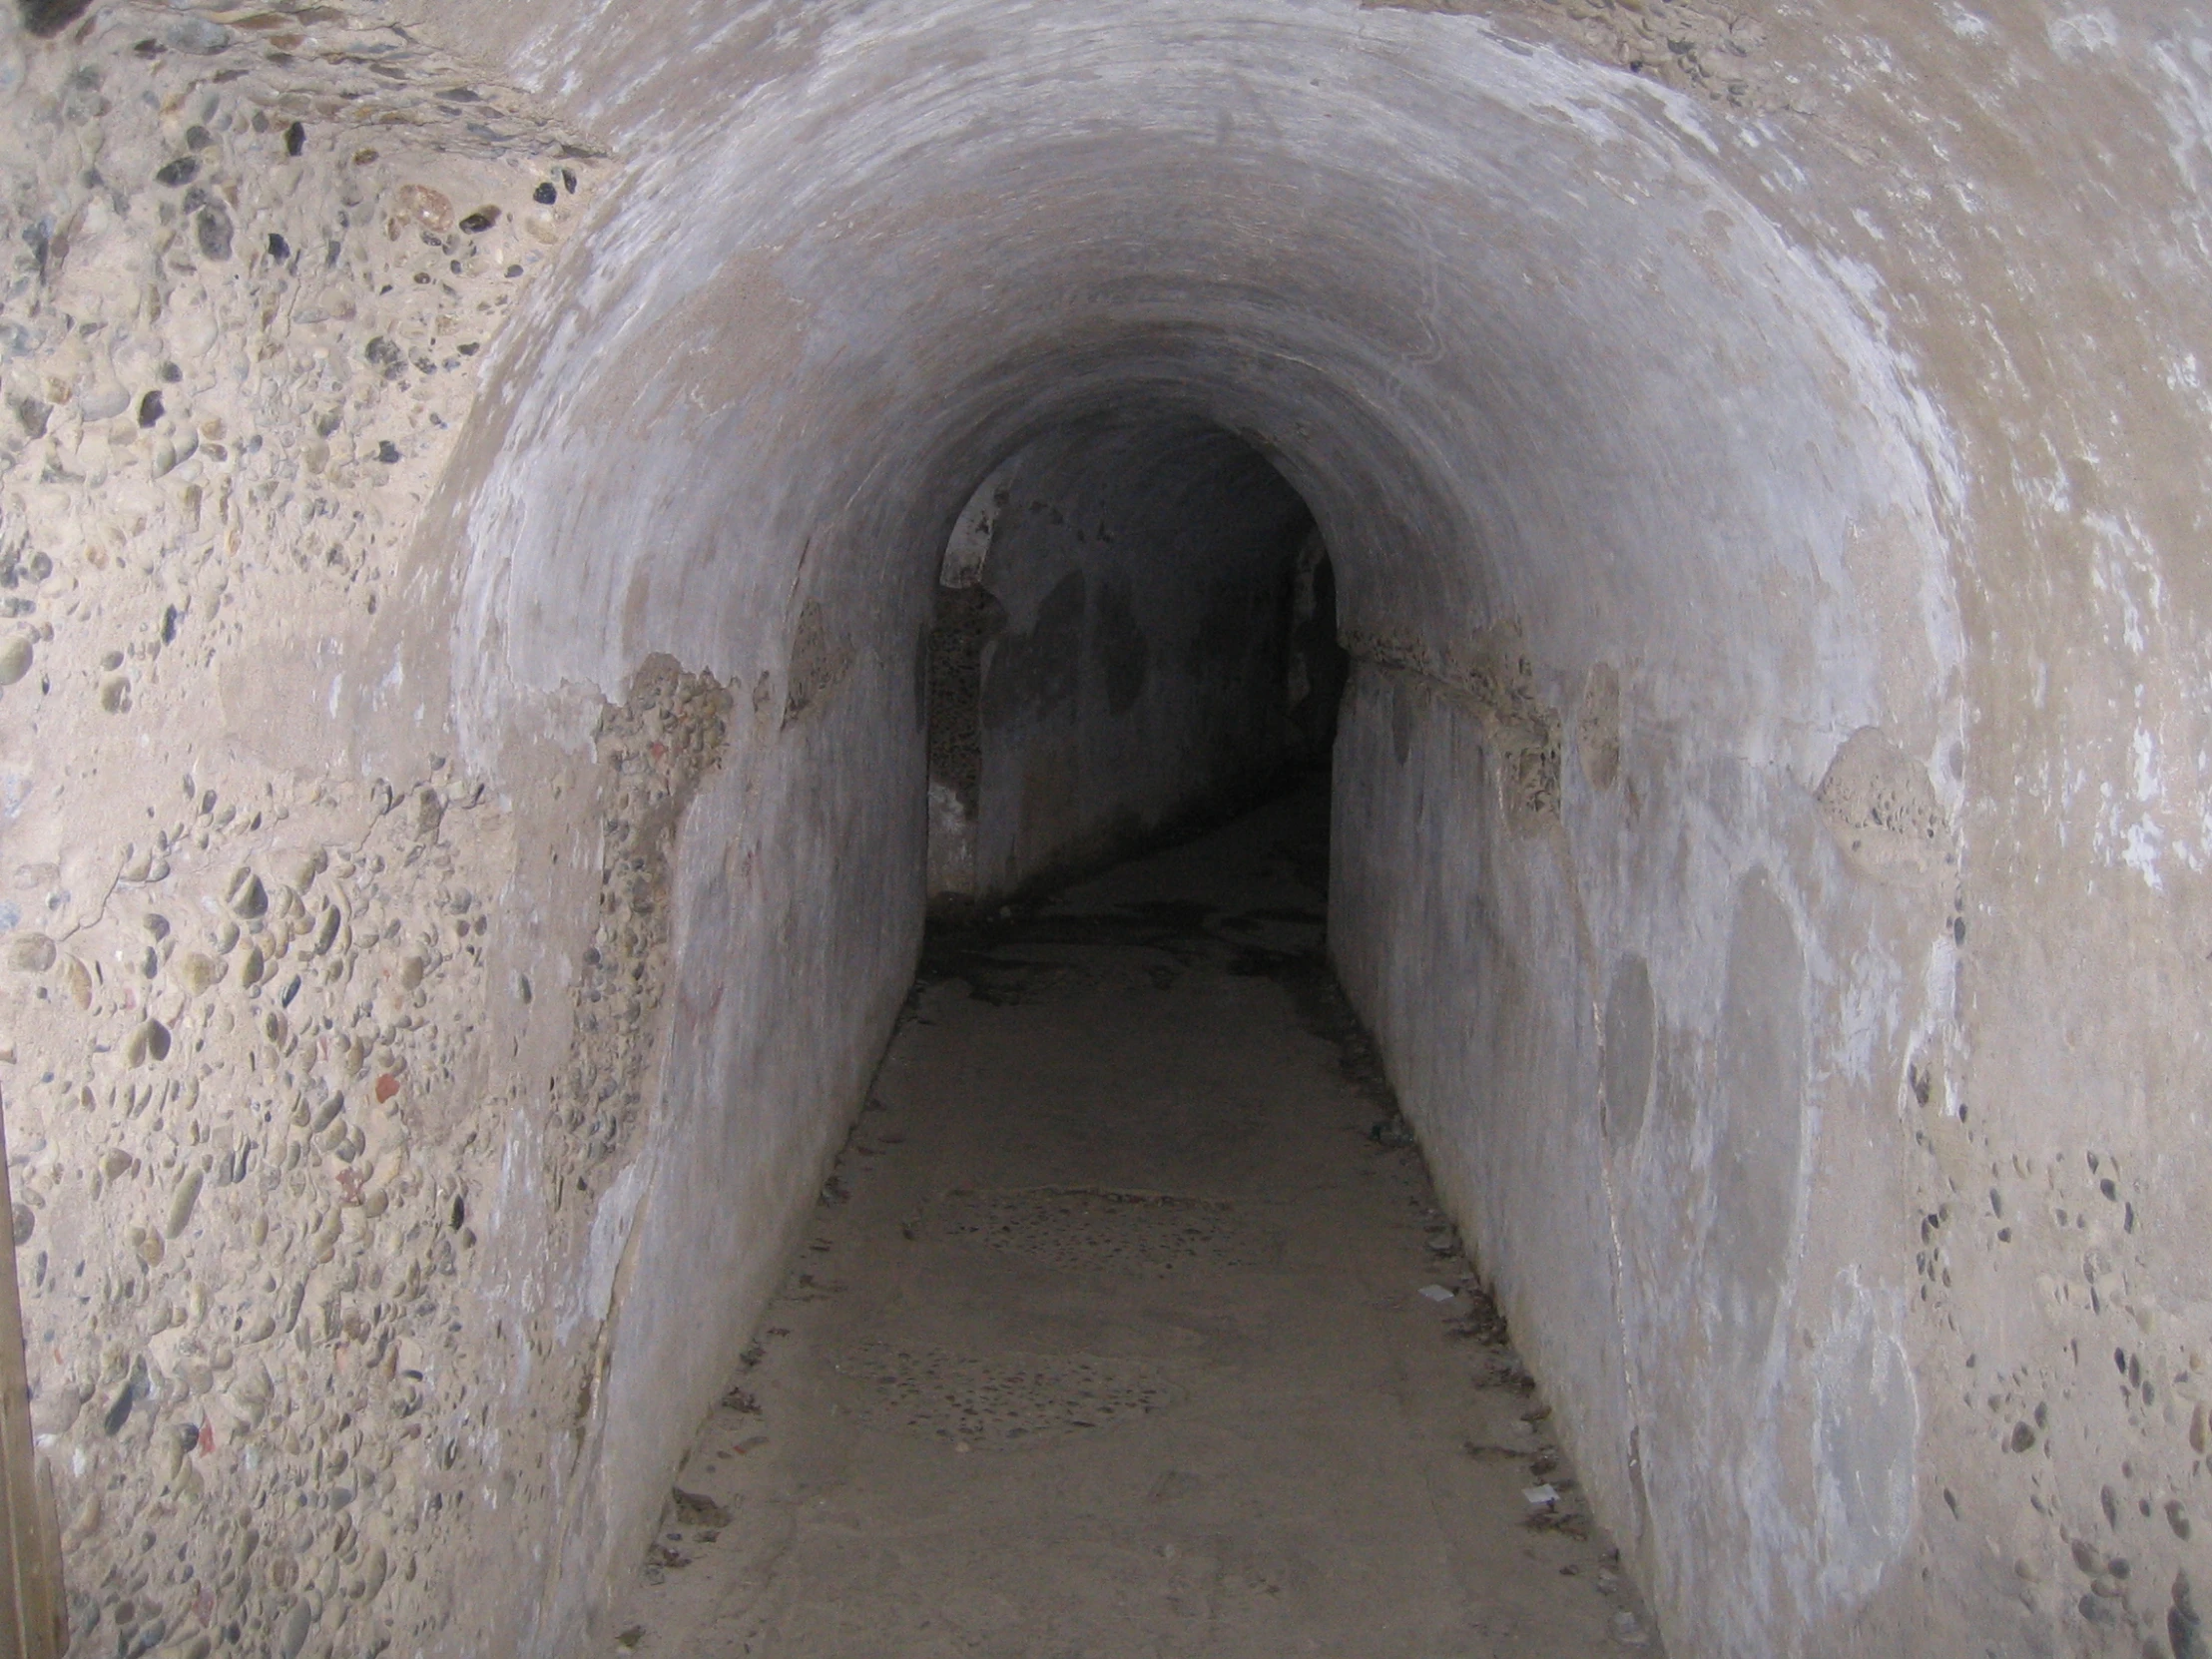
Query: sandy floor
x,y
1122,1330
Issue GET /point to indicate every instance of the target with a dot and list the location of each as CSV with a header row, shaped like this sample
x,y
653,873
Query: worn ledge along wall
x,y
474,479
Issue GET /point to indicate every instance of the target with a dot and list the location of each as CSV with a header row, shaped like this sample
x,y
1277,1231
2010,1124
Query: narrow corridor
x,y
540,542
1123,1328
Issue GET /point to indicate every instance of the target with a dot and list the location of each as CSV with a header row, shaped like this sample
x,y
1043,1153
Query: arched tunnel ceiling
x,y
1502,315
373,351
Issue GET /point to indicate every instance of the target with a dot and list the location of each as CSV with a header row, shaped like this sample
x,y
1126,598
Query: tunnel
x,y
542,546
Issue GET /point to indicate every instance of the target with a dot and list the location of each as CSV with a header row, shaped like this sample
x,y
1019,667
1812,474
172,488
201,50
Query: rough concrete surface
x,y
475,478
1127,1323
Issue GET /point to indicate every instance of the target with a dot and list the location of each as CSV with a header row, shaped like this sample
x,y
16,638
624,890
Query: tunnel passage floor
x,y
1121,1330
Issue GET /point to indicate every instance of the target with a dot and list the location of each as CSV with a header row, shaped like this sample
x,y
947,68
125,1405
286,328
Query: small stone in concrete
x,y
181,1205
148,1042
295,1633
249,900
211,230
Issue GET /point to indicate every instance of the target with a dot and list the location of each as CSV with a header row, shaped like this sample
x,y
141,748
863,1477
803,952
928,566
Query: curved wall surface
x,y
1761,459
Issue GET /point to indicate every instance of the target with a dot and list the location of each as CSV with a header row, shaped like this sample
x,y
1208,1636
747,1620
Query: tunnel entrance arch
x,y
1712,558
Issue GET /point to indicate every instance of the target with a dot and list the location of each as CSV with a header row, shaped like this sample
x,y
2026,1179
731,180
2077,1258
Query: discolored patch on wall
x,y
968,548
1401,718
1124,654
1712,53
1038,671
636,601
1598,727
1758,1128
1881,808
1317,665
819,658
922,678
1499,679
1866,1437
1674,1095
968,619
1640,1518
1629,1017
657,747
1493,678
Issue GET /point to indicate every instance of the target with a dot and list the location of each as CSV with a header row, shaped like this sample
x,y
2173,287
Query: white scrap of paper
x,y
1538,1496
1435,1293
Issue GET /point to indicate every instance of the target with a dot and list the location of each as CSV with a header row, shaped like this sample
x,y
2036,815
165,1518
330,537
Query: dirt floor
x,y
1128,1328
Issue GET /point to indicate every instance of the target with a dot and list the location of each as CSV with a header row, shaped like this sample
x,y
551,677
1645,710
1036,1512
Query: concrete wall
x,y
367,1083
1131,619
268,972
1763,459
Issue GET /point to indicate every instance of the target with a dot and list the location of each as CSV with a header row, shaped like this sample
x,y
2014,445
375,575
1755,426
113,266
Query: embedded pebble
x,y
201,36
294,1635
422,208
211,230
149,1041
196,972
249,900
31,953
15,658
182,1204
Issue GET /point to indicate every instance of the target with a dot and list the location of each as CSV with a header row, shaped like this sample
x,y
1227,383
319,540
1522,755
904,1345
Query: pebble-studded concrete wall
x,y
250,1036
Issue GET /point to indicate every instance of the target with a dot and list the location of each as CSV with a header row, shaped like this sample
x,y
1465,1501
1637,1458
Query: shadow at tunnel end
x,y
980,944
